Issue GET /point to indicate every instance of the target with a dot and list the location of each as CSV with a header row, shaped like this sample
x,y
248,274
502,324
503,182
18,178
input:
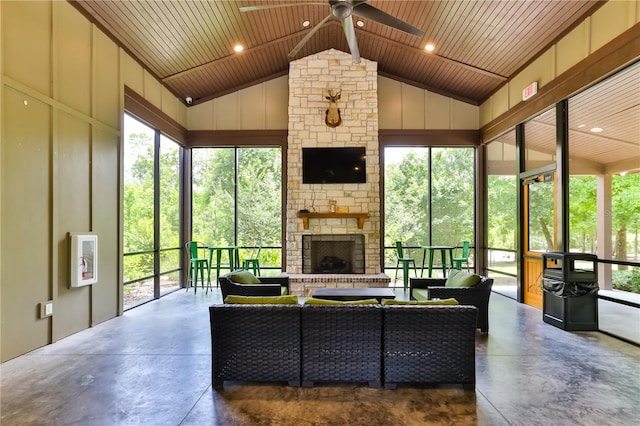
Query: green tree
x,y
626,212
253,189
453,195
407,199
582,213
138,232
502,212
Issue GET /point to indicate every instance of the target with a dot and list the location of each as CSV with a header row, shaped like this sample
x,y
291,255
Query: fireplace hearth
x,y
333,254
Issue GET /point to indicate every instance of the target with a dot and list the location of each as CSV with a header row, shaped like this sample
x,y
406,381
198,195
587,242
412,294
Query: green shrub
x,y
628,280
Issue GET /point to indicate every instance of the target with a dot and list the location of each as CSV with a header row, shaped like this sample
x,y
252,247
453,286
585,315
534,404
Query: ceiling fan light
x,y
341,10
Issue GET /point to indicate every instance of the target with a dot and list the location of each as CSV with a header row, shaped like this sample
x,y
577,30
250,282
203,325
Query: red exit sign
x,y
530,90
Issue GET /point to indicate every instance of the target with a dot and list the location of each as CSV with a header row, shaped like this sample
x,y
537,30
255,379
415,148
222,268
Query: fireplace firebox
x,y
333,254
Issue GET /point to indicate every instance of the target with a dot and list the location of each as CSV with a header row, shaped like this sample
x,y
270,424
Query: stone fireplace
x,y
310,79
333,254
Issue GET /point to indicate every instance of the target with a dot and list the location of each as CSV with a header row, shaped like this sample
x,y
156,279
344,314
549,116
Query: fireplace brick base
x,y
304,284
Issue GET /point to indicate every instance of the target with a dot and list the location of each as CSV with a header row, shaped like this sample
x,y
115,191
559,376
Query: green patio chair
x,y
406,262
197,264
253,262
461,256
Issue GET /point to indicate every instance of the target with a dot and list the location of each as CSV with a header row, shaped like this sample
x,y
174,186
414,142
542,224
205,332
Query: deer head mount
x,y
332,115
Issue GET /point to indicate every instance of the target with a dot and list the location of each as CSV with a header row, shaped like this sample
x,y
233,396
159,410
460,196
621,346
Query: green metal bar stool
x,y
406,262
463,258
197,264
253,263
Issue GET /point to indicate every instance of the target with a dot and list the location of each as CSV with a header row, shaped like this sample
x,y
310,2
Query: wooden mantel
x,y
332,215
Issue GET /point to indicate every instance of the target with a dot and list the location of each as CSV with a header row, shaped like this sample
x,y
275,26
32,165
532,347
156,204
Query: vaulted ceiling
x,y
188,45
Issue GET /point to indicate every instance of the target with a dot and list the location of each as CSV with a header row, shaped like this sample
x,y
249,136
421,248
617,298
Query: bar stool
x,y
464,256
406,261
196,264
253,262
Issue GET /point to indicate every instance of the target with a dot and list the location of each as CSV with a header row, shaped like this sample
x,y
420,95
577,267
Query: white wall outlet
x,y
46,309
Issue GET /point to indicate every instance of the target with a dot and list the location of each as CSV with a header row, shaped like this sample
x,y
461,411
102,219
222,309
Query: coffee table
x,y
347,294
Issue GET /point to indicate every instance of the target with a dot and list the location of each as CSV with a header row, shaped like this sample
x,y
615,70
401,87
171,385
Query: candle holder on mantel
x,y
332,206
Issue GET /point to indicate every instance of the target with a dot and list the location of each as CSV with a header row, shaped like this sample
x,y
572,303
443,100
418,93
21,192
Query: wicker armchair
x,y
270,286
429,344
477,295
341,344
255,343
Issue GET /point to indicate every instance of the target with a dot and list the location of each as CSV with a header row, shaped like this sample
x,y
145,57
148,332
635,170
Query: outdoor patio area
x,y
153,366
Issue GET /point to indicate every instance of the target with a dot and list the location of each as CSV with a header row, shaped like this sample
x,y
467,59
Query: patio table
x,y
233,255
443,256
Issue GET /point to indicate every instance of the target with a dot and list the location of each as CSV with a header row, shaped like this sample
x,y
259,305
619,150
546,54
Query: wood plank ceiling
x,y
479,44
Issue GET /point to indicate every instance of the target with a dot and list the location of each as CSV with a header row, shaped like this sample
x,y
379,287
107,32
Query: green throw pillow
x,y
450,301
266,300
461,279
420,294
243,277
314,301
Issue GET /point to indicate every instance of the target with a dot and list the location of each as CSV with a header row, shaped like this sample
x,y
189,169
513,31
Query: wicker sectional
x,y
374,344
477,295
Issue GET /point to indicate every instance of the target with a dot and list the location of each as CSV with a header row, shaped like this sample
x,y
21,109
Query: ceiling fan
x,y
343,10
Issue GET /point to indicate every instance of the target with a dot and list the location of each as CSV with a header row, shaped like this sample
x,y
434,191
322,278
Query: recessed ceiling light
x,y
581,126
238,48
596,129
306,23
429,47
360,23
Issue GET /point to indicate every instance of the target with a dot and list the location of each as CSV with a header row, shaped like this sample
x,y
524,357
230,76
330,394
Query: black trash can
x,y
570,290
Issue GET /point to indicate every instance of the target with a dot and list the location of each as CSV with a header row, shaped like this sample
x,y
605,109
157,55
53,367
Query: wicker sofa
x,y
269,286
429,344
341,344
305,344
477,295
255,343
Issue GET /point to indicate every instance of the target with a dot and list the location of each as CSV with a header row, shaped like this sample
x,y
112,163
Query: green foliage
x,y
250,191
628,280
582,213
541,219
138,205
502,211
407,198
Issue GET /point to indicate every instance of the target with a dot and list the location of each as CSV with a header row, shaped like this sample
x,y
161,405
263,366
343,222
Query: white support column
x,y
604,215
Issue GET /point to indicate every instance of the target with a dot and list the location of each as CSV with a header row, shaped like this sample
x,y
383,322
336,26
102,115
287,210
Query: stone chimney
x,y
310,79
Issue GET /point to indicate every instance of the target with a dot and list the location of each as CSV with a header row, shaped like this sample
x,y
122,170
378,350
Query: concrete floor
x,y
152,366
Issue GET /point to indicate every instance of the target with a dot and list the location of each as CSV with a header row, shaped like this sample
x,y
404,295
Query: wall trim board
x,y
613,56
429,137
9,82
152,115
220,138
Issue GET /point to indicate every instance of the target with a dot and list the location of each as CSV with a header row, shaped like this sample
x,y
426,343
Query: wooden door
x,y
540,220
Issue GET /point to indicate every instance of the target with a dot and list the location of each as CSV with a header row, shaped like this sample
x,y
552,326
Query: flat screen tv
x,y
334,165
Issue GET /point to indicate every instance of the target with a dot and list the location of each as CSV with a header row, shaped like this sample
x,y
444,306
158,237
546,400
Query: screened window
x,y
151,214
237,201
429,198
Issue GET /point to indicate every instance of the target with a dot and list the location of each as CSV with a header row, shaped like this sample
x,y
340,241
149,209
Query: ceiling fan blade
x,y
369,12
306,38
274,6
350,33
